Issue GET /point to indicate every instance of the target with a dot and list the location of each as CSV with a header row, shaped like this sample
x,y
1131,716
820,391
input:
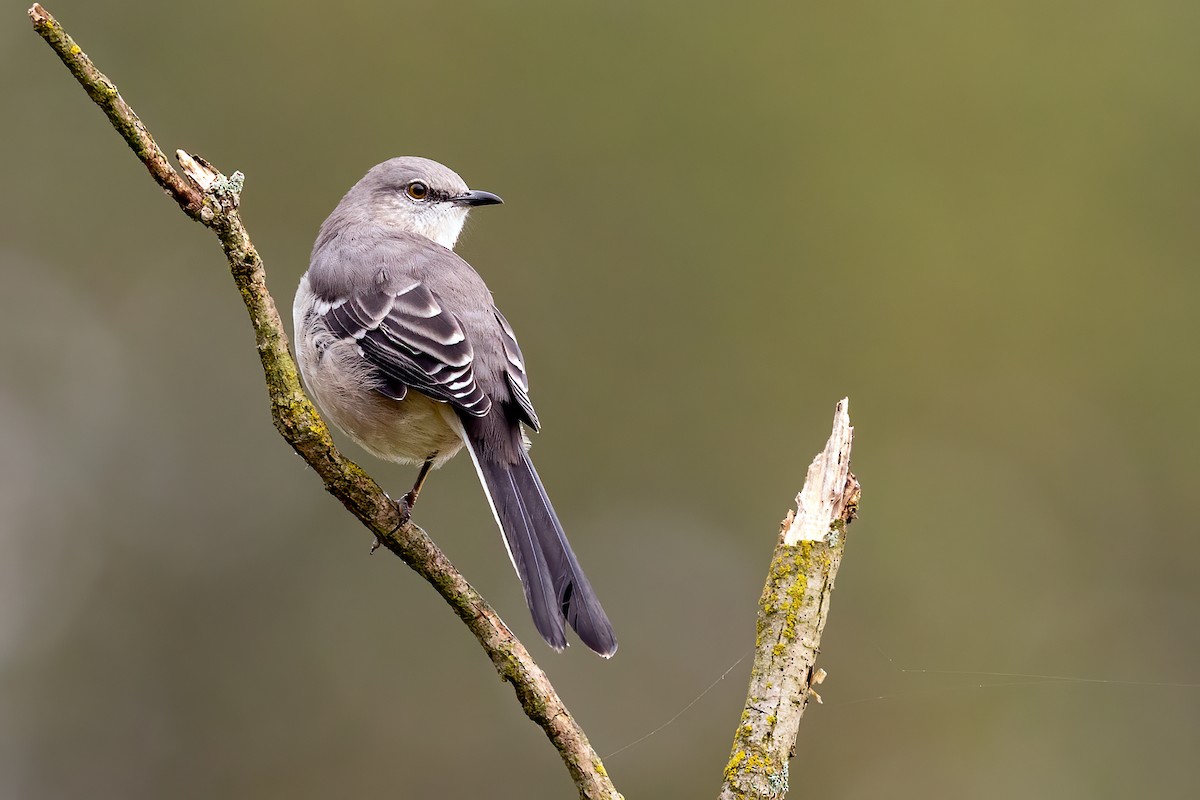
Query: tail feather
x,y
528,556
555,587
575,594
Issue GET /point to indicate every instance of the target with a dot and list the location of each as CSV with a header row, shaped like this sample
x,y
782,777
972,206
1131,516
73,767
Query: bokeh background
x,y
977,220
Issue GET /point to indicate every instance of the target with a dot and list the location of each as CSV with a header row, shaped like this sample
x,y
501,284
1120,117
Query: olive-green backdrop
x,y
978,220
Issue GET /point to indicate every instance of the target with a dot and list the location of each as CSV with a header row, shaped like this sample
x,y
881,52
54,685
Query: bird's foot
x,y
403,517
404,508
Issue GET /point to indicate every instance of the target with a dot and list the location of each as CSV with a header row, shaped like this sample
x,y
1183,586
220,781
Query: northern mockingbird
x,y
401,346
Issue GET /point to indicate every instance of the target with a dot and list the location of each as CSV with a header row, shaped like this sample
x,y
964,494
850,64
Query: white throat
x,y
442,223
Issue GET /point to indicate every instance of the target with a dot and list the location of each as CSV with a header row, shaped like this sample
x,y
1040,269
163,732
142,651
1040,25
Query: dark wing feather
x,y
514,371
414,343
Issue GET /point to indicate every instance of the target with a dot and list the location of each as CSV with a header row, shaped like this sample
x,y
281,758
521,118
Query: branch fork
x,y
222,191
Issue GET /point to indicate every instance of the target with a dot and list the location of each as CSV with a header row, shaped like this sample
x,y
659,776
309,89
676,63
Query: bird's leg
x,y
409,500
405,505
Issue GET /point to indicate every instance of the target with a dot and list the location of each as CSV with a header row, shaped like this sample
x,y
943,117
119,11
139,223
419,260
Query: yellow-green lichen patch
x,y
735,761
790,598
746,762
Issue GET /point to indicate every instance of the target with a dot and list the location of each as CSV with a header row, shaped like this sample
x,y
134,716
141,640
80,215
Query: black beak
x,y
476,198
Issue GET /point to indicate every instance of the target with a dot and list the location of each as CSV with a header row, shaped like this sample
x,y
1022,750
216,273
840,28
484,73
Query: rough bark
x,y
791,617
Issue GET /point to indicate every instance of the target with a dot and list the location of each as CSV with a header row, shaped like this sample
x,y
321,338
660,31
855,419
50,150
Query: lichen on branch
x,y
211,198
791,617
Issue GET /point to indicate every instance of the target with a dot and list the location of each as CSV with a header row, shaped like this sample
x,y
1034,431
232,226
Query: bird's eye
x,y
417,190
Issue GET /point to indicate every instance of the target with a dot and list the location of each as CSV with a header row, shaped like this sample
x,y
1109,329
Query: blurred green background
x,y
977,220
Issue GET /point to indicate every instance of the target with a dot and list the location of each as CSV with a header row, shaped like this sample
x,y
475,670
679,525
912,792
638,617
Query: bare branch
x,y
791,618
208,196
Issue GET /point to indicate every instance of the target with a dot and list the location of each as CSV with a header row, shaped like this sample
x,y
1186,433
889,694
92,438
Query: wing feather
x,y
514,372
414,343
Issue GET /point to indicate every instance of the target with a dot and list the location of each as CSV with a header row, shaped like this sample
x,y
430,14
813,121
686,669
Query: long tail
x,y
555,587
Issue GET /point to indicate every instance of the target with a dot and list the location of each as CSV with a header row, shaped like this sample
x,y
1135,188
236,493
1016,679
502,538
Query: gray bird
x,y
402,347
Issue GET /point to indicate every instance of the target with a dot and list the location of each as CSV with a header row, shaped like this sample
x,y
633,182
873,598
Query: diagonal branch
x,y
209,197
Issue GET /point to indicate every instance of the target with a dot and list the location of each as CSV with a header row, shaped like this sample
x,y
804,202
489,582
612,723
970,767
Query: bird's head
x,y
420,196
